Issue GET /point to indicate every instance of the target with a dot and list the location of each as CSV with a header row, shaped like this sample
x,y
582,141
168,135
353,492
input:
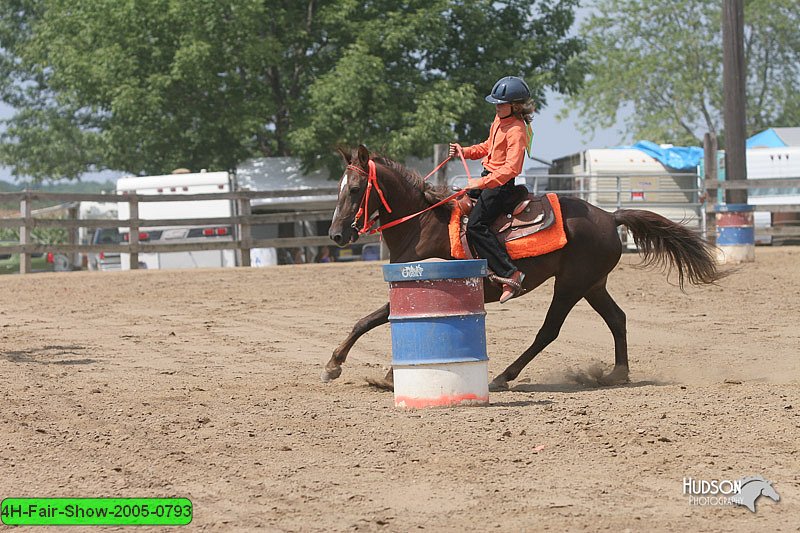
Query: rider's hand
x,y
453,149
474,184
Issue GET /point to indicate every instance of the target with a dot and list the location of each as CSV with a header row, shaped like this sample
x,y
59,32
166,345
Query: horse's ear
x,y
363,155
346,154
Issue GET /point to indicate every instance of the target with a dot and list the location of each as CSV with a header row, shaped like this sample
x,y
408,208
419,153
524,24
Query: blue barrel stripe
x,y
735,236
734,208
425,270
436,340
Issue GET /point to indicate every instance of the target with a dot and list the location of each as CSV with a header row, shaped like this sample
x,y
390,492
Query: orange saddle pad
x,y
540,243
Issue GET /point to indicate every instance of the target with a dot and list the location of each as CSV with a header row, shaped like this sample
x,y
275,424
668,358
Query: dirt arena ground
x,y
205,384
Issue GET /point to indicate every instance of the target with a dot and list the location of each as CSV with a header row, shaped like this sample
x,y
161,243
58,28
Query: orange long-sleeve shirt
x,y
503,152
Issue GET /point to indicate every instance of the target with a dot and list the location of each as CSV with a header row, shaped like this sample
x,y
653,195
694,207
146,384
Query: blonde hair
x,y
524,110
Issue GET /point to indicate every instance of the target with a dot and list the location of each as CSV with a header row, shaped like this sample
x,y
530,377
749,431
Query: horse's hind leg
x,y
564,299
614,317
334,367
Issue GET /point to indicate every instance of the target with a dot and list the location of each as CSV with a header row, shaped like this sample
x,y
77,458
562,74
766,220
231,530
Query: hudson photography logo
x,y
727,492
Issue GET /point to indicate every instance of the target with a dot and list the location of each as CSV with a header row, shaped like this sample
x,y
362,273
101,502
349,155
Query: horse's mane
x,y
745,480
432,193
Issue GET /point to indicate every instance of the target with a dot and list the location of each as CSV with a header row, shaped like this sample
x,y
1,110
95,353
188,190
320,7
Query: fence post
x,y
734,96
621,231
25,233
245,236
133,236
710,167
440,153
72,236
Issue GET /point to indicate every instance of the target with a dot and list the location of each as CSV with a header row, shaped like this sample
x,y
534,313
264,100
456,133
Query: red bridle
x,y
372,182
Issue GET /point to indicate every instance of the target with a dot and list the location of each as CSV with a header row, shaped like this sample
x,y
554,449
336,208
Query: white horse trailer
x,y
614,178
177,184
775,163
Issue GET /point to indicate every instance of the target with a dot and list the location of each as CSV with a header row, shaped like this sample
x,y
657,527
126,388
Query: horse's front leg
x,y
334,367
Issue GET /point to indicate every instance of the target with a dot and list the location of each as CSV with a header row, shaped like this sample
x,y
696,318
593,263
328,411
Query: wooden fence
x,y
243,221
788,230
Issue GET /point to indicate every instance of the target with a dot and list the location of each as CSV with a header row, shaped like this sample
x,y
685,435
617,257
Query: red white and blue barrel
x,y
736,238
438,333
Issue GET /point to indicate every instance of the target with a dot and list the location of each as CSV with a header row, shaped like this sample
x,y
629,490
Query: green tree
x,y
143,86
658,65
416,72
146,86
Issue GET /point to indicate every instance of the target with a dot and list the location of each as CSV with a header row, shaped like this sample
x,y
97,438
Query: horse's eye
x,y
355,190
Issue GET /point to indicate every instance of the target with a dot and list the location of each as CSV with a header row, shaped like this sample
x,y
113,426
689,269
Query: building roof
x,y
279,174
283,174
775,138
791,136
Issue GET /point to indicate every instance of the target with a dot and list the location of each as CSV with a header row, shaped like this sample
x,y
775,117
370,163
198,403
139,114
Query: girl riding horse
x,y
580,268
503,154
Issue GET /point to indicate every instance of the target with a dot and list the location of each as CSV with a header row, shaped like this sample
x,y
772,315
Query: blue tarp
x,y
677,157
766,139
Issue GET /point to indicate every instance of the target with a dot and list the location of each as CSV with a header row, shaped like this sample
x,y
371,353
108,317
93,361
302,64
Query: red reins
x,y
372,182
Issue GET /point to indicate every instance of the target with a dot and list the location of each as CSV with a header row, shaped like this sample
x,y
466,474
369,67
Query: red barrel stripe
x,y
735,219
438,297
441,401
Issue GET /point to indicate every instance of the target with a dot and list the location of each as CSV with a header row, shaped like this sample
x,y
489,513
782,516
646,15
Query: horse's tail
x,y
666,244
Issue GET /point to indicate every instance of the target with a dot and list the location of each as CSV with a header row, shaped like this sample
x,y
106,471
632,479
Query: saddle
x,y
531,214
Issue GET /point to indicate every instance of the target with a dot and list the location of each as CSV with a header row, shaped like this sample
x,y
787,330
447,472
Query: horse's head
x,y
352,186
752,488
769,491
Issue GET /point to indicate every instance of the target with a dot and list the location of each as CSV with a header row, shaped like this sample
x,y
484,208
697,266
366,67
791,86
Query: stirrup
x,y
511,287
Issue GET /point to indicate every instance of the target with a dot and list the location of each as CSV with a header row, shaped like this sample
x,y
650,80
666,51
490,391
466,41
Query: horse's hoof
x,y
498,384
381,383
329,375
618,376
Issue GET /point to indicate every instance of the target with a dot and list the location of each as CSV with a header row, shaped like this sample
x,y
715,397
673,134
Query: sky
x,y
552,138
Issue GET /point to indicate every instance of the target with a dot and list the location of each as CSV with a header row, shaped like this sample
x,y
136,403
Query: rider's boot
x,y
512,286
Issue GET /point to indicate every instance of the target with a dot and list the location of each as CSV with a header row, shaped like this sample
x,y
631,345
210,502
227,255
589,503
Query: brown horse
x,y
580,268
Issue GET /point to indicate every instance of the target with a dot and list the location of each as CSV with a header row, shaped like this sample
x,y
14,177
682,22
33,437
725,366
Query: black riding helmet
x,y
508,90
